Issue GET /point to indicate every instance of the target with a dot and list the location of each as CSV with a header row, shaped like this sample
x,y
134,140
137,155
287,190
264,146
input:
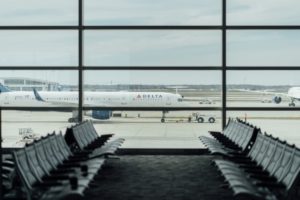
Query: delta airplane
x,y
94,99
293,94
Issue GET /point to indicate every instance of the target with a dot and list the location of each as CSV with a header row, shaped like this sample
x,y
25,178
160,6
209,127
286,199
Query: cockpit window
x,y
179,100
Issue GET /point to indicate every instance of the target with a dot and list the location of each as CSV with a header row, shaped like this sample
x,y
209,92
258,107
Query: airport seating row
x,y
268,170
236,139
271,170
48,169
8,173
51,168
83,138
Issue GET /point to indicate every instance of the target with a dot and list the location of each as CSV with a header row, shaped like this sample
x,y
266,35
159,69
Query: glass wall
x,y
152,48
263,88
154,72
38,48
263,48
155,12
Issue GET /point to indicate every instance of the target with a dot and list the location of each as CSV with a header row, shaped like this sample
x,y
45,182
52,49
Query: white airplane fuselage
x,y
294,93
101,99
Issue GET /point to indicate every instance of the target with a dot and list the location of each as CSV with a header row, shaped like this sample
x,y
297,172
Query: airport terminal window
x,y
13,81
54,81
143,129
263,47
155,12
16,131
38,48
203,50
282,124
152,48
266,12
195,88
36,12
263,88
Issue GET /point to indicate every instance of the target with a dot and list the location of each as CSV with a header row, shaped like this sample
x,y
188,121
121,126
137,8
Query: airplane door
x,y
124,101
168,102
6,100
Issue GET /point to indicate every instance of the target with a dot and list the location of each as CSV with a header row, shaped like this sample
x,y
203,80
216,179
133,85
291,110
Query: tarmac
x,y
143,129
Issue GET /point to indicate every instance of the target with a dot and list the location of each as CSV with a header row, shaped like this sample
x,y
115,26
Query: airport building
x,y
125,99
28,84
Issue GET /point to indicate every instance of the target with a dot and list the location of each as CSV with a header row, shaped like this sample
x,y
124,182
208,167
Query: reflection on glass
x,y
152,48
263,88
154,12
21,127
36,12
263,48
281,124
152,88
45,88
267,12
38,48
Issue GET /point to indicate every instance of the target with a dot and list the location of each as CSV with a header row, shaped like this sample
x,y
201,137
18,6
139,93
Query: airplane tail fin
x,y
37,95
3,88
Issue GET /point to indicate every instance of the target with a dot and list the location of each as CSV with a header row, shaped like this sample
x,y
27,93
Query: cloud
x,y
155,12
263,12
38,48
158,47
152,77
263,48
264,77
38,12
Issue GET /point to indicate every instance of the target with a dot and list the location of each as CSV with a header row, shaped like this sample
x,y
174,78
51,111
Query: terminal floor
x,y
159,177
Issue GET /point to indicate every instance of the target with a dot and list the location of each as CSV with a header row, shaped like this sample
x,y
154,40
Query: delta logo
x,y
148,96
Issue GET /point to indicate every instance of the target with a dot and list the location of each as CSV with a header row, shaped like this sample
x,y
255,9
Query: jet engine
x,y
277,99
101,114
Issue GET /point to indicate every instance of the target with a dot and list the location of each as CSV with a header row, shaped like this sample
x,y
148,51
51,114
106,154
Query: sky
x,y
151,48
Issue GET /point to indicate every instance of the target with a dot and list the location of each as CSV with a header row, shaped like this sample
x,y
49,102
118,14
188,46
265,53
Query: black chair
x,y
269,171
236,139
36,188
83,140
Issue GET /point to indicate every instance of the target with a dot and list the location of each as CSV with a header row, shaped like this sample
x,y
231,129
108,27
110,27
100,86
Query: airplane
x,y
293,94
164,100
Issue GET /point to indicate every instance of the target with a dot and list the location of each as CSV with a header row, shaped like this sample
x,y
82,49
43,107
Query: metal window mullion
x,y
198,68
38,68
224,82
1,152
80,59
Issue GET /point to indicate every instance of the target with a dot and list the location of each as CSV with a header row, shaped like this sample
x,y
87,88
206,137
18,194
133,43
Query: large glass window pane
x,y
263,48
152,48
263,12
143,129
54,88
37,12
282,124
149,89
21,127
138,88
152,12
38,48
263,88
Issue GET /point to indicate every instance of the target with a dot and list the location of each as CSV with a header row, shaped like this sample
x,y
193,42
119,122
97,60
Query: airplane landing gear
x,y
163,116
74,117
292,104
